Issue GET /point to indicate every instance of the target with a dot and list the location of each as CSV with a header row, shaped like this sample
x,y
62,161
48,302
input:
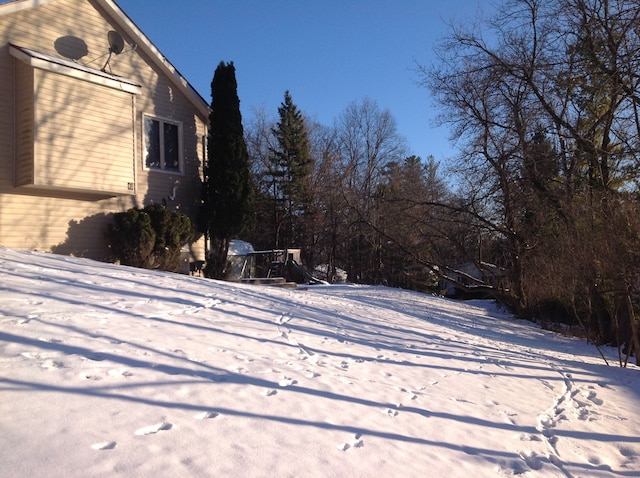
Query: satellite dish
x,y
116,45
116,42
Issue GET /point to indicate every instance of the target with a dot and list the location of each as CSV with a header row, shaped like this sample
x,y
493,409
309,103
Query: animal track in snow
x,y
244,358
151,429
390,412
119,372
355,442
508,417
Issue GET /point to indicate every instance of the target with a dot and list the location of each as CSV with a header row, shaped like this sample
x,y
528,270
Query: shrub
x,y
150,238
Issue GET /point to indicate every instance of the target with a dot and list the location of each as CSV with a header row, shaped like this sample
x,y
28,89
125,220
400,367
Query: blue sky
x,y
327,53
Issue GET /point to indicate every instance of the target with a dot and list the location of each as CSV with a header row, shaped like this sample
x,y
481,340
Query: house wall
x,y
67,125
75,151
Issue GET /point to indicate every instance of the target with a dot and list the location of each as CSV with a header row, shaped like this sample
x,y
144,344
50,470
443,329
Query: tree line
x,y
543,198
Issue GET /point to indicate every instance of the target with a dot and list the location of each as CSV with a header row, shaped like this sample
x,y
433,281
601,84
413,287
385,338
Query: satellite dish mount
x,y
116,45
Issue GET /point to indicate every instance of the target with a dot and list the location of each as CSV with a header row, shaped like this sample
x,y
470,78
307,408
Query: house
x,y
94,120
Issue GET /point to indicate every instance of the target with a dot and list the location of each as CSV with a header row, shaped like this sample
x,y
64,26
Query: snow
x,y
107,370
240,248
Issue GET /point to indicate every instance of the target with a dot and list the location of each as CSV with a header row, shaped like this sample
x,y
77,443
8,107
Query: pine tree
x,y
228,204
291,168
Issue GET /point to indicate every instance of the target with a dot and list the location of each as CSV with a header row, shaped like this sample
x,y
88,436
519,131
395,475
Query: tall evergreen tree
x,y
228,204
291,168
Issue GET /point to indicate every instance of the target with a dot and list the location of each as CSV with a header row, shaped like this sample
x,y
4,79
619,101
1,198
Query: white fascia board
x,y
74,70
18,5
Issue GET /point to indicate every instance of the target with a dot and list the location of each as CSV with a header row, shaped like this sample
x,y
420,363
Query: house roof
x,y
128,27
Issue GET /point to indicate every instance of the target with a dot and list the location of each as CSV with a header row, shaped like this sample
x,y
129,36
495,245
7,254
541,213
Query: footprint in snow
x,y
594,460
286,382
532,459
51,340
206,415
51,365
593,397
527,437
210,303
151,429
105,445
269,393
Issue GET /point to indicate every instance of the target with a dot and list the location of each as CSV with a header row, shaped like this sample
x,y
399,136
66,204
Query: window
x,y
162,144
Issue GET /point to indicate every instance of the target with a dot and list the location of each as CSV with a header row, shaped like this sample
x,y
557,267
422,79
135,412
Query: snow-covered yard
x,y
114,371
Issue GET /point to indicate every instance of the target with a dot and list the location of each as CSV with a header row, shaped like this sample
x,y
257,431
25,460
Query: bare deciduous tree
x,y
545,102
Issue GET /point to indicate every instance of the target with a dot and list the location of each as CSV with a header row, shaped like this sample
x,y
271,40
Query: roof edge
x,y
68,68
143,42
18,5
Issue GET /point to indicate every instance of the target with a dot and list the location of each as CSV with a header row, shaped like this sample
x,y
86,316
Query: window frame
x,y
161,122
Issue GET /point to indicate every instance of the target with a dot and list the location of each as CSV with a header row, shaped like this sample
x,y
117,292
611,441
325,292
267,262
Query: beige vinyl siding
x,y
64,226
39,28
24,124
75,223
84,136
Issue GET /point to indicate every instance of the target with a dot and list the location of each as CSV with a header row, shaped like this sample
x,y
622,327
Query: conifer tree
x,y
228,204
291,168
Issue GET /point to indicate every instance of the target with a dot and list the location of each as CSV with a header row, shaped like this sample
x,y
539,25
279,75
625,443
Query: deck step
x,y
270,281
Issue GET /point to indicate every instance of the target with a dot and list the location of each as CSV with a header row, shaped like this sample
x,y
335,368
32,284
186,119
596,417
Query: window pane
x,y
152,143
171,153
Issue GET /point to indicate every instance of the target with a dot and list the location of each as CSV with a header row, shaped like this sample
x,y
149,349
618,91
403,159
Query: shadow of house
x,y
84,235
78,143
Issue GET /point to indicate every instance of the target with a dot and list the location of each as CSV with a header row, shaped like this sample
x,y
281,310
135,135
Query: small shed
x,y
471,279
